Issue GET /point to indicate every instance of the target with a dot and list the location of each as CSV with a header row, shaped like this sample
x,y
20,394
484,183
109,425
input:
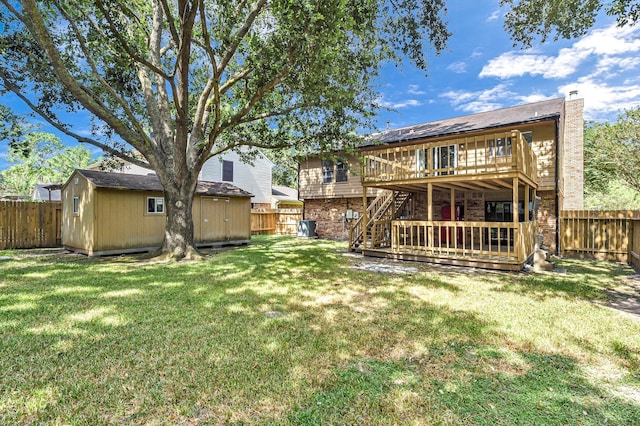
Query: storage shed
x,y
110,213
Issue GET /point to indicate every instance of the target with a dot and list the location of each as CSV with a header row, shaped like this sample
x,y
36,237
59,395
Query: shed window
x,y
155,205
76,205
227,171
327,171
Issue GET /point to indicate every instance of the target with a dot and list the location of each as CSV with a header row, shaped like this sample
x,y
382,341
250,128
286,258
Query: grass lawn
x,y
286,331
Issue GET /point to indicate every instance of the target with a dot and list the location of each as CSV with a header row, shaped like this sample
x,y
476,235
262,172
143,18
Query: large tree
x,y
528,20
180,81
612,158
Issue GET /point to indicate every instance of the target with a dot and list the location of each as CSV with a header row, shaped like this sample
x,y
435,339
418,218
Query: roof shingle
x,y
152,183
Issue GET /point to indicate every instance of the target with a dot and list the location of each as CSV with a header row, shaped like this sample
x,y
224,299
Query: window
x,y
76,206
155,205
341,171
528,136
501,147
327,171
444,157
227,171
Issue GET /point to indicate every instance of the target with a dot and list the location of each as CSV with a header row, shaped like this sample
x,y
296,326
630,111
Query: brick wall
x,y
573,160
329,216
547,219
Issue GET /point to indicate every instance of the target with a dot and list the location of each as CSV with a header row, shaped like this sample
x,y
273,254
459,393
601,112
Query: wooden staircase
x,y
386,206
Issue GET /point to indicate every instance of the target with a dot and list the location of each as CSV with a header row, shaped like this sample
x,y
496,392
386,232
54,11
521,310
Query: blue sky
x,y
481,70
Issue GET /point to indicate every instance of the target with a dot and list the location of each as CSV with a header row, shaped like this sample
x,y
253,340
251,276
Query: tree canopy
x,y
528,20
612,162
180,81
41,158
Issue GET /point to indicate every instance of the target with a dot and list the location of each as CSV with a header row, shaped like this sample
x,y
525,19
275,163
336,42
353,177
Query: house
x,y
283,197
109,213
472,190
253,176
46,192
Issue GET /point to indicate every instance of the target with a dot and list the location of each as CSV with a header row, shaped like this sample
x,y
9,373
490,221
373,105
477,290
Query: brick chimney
x,y
573,159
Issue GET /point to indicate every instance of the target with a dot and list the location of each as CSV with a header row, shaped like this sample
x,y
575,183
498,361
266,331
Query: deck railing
x,y
493,153
482,241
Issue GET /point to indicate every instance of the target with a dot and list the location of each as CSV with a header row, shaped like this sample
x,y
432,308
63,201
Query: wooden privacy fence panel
x,y
30,224
279,222
600,235
634,252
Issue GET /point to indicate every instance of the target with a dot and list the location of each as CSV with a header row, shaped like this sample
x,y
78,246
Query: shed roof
x,y
516,115
152,183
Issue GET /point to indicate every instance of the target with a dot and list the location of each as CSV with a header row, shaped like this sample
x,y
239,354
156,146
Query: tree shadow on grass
x,y
548,389
273,329
583,280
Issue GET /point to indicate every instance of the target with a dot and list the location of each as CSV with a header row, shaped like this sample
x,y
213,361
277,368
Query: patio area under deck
x,y
490,245
489,164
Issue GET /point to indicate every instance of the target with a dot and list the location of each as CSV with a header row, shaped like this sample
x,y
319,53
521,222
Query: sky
x,y
481,70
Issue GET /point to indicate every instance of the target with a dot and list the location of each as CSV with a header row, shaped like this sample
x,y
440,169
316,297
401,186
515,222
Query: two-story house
x,y
472,190
254,177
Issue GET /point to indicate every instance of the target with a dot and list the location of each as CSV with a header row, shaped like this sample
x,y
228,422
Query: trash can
x,y
307,229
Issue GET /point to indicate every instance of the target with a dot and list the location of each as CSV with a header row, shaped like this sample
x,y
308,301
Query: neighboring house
x,y
47,192
283,197
254,178
448,190
227,167
109,213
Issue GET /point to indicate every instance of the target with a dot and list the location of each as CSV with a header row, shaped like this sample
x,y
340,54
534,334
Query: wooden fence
x,y
25,224
601,235
279,222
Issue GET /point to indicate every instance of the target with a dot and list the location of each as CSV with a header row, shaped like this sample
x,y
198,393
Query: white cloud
x,y
414,89
458,67
399,104
601,99
479,101
490,99
605,45
495,15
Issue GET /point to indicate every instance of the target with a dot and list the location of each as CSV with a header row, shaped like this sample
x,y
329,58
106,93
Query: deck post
x,y
452,232
527,188
365,219
517,238
430,212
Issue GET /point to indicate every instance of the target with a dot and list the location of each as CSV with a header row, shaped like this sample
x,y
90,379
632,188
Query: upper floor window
x,y
327,171
341,171
500,147
334,171
155,205
227,171
528,136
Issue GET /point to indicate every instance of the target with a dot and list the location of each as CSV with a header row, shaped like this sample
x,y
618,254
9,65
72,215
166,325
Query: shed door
x,y
213,214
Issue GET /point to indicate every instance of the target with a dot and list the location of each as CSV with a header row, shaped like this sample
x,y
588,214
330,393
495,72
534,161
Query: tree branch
x,y
240,35
36,25
83,139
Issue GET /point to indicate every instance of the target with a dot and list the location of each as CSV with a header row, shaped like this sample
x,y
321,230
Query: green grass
x,y
285,331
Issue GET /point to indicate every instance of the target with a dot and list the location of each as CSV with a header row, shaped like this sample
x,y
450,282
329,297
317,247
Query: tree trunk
x,y
178,241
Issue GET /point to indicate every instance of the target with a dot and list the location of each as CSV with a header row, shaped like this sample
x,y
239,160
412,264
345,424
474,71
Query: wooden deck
x,y
491,245
486,162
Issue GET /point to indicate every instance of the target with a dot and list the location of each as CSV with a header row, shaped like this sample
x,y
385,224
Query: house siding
x,y
255,178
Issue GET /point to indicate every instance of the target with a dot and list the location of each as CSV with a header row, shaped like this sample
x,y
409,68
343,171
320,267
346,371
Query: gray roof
x,y
284,192
517,115
42,191
152,183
